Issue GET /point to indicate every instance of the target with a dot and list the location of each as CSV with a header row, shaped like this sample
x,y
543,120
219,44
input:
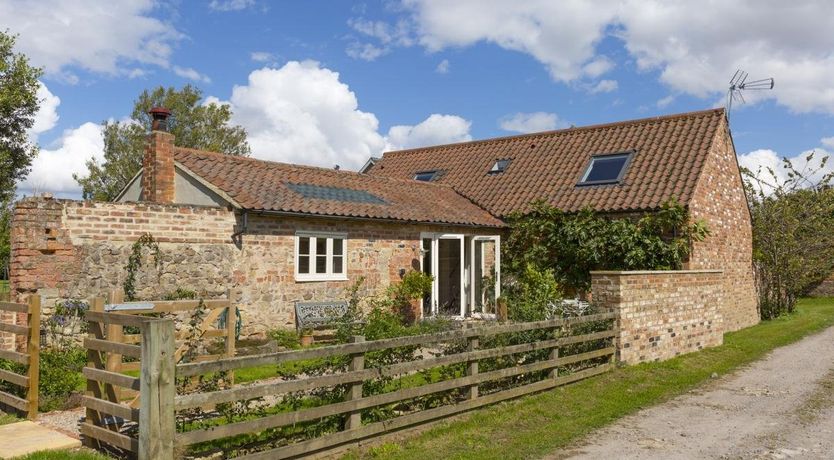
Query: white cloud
x,y
191,74
302,113
387,36
529,122
110,38
53,168
443,67
47,115
434,130
759,161
365,51
261,56
231,5
604,86
694,46
828,142
665,101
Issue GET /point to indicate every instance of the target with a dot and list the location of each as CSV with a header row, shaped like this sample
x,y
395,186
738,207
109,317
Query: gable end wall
x,y
719,200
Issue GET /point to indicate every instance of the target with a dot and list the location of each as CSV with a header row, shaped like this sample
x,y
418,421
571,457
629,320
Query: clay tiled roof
x,y
268,186
669,154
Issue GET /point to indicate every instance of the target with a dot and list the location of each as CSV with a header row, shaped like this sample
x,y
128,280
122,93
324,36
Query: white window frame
x,y
328,275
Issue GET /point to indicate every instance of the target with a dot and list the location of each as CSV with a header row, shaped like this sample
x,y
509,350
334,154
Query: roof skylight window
x,y
499,166
426,176
606,169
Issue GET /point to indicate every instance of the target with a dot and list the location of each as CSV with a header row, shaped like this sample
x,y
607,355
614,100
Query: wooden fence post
x,y
472,368
157,391
554,354
94,330
115,333
231,322
357,363
33,349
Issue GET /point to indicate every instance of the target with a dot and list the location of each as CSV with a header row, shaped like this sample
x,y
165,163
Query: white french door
x,y
444,259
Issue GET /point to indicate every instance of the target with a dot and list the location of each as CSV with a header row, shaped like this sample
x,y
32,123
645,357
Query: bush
x,y
286,338
531,293
60,376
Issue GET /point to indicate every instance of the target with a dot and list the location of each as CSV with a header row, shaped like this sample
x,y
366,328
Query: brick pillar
x,y
158,168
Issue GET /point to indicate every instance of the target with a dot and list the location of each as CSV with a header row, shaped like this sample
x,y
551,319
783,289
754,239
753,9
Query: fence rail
x,y
595,361
30,358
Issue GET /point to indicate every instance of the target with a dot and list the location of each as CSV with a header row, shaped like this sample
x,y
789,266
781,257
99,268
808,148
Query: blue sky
x,y
332,82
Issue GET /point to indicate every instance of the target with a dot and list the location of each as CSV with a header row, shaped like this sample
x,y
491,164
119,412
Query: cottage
x,y
618,169
277,234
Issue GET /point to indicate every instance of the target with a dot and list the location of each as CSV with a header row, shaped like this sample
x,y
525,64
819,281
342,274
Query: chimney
x,y
158,162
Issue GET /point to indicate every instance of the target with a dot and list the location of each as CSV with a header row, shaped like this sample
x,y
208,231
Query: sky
x,y
334,82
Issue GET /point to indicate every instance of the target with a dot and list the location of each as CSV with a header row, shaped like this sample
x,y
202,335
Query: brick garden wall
x,y
719,200
662,313
72,249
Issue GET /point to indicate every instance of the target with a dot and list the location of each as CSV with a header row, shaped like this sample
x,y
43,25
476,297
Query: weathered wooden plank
x,y
93,360
107,407
191,369
111,378
110,437
173,306
11,377
115,318
156,415
21,358
33,349
14,307
113,363
131,366
278,420
133,351
357,363
13,401
132,338
335,439
14,329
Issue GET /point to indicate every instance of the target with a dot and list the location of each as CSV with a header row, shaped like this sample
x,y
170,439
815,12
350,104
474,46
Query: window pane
x,y
304,264
338,244
321,246
321,264
337,265
303,245
606,168
426,176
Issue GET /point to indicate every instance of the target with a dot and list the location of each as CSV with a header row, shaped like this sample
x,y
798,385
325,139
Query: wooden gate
x,y
27,380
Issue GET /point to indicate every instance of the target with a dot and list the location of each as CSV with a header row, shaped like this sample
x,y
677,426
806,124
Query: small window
x,y
320,256
426,176
500,166
606,169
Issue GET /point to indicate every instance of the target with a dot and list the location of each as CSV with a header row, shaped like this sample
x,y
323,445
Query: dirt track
x,y
779,407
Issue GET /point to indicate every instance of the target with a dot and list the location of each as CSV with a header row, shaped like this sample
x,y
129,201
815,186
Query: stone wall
x,y
72,249
662,313
720,201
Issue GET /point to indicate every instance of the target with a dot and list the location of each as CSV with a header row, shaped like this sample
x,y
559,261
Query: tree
x,y
18,106
793,246
194,125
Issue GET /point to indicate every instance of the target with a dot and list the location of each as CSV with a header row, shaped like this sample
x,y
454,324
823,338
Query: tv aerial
x,y
739,84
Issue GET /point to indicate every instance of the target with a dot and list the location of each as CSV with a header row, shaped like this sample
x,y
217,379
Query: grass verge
x,y
536,425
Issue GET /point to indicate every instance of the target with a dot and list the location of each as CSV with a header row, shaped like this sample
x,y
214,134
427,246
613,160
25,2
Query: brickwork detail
x,y
662,313
72,249
719,200
158,166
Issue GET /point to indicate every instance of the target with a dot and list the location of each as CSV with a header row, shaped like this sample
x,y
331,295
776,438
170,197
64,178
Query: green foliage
x,y
194,125
793,245
181,294
18,106
60,375
530,294
573,244
285,338
134,263
5,242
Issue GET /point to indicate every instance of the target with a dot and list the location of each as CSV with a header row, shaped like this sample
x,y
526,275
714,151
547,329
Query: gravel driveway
x,y
779,407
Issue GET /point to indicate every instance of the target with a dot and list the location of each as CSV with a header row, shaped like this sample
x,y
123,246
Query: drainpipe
x,y
236,236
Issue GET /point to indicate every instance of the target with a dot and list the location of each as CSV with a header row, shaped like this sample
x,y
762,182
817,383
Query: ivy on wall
x,y
134,263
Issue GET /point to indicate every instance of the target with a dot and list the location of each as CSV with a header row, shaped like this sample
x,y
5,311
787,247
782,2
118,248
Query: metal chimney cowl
x,y
159,117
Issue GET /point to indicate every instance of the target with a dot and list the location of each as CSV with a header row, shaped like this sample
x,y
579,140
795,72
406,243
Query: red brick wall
x,y
72,249
719,200
662,314
158,166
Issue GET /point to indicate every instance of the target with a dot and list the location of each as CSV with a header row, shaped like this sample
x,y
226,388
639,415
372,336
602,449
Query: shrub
x,y
530,294
286,338
181,294
60,376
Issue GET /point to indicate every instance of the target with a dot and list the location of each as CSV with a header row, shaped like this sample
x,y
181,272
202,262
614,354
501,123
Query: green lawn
x,y
536,425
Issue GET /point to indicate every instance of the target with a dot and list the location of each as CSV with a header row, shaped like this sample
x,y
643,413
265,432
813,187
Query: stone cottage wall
x,y
719,200
662,313
72,249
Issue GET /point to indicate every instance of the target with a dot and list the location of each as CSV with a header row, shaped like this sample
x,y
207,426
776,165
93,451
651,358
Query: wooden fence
x,y
593,353
30,358
120,408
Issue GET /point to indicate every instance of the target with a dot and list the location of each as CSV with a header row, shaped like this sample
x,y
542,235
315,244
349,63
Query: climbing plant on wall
x,y
134,263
